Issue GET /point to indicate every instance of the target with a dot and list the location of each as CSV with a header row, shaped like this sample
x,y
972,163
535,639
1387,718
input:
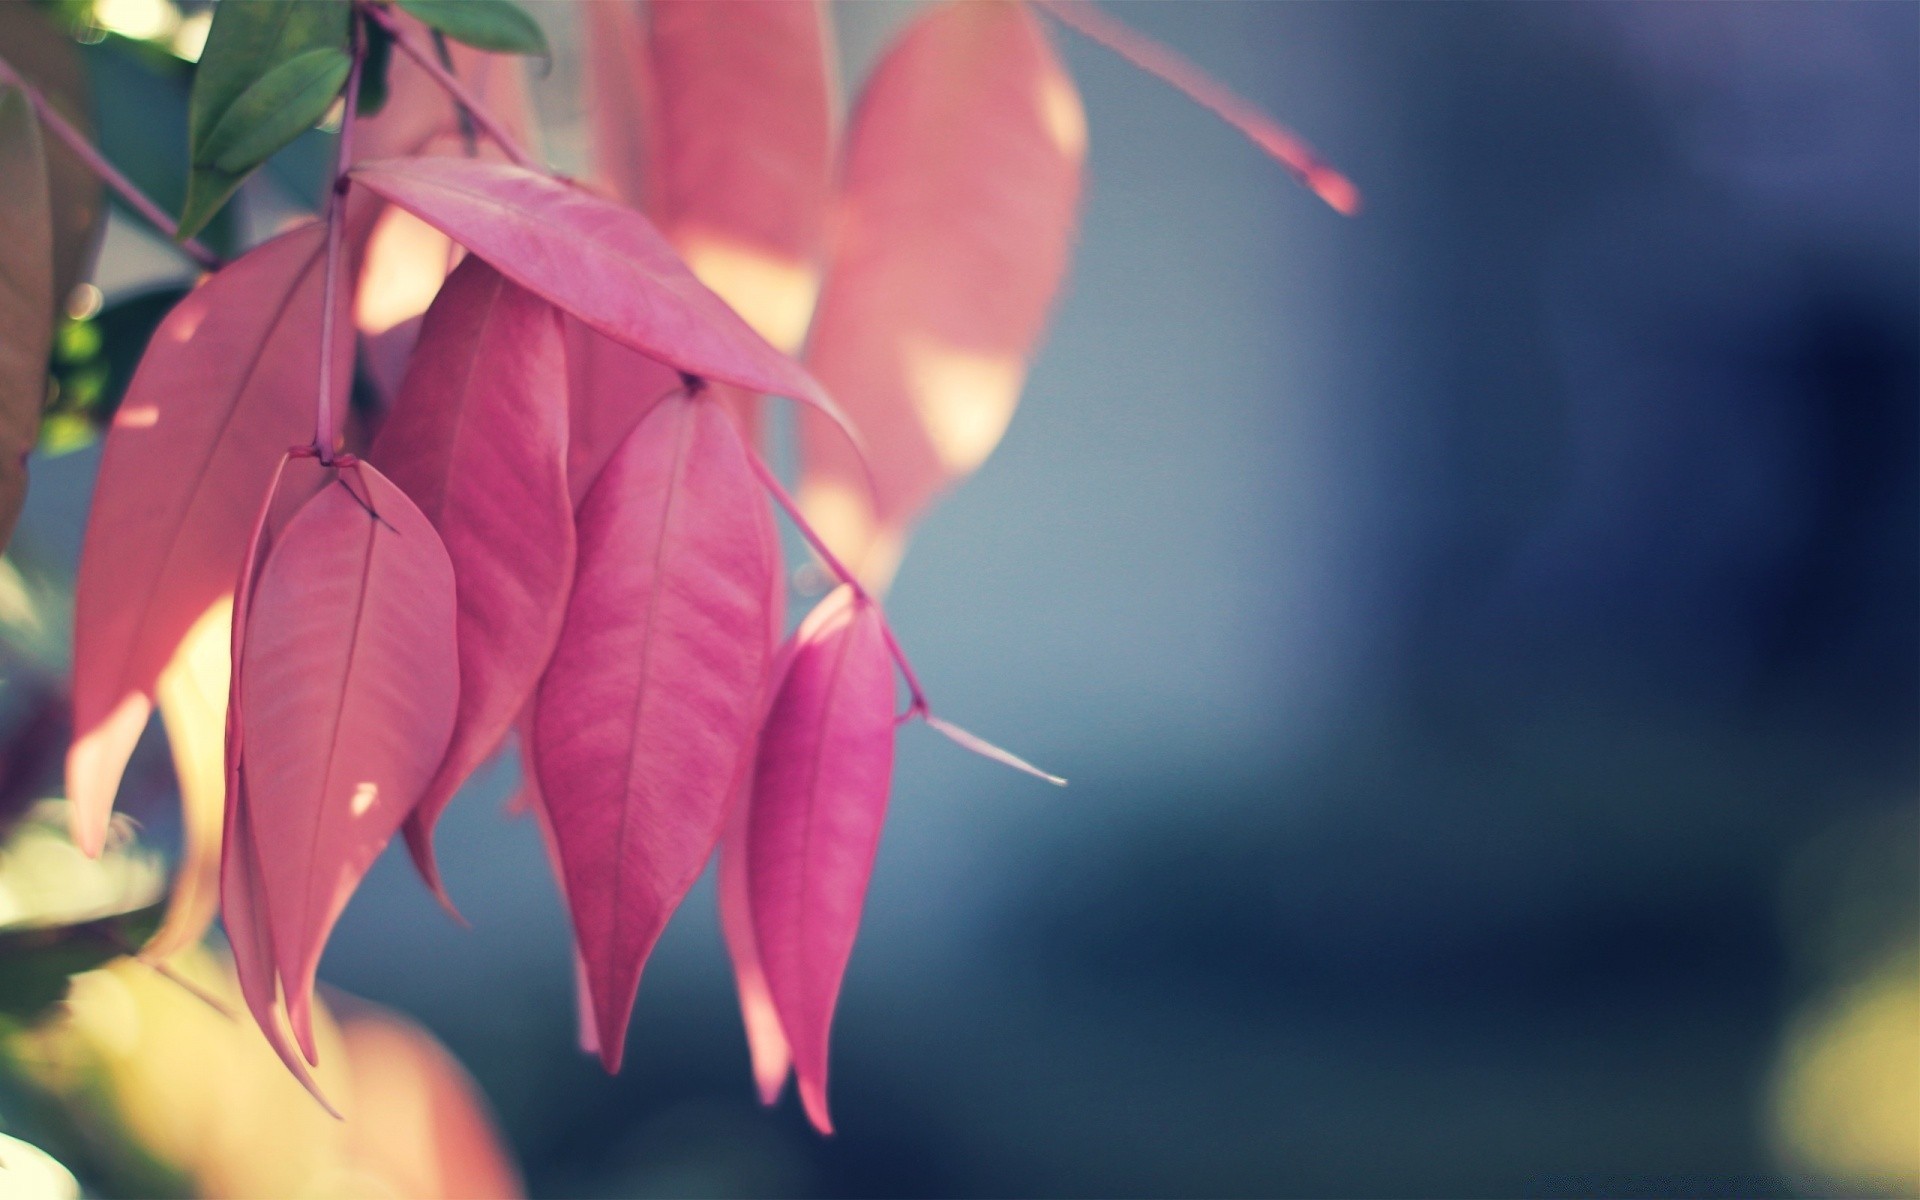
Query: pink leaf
x,y
243,895
478,439
605,264
349,684
961,187
227,384
766,1041
819,797
644,714
609,388
743,151
618,95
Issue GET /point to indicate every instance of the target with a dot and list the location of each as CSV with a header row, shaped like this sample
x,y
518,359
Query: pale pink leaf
x,y
743,153
226,385
961,189
478,440
819,797
350,681
609,388
648,706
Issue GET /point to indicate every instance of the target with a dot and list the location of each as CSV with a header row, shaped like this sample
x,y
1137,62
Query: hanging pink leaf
x,y
243,896
819,797
478,440
349,684
226,385
648,706
743,151
604,263
961,188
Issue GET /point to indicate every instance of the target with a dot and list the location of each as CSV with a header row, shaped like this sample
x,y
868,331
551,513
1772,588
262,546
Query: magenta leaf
x,y
646,711
604,263
819,797
478,440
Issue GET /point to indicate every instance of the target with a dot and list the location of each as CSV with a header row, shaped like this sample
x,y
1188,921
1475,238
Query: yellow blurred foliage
x,y
1847,1093
200,1092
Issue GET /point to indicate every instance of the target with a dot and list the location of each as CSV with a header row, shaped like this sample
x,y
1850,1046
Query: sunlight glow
x,y
775,295
964,398
143,20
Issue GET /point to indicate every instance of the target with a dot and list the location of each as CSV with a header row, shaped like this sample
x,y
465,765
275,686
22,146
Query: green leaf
x,y
373,69
498,25
280,106
249,40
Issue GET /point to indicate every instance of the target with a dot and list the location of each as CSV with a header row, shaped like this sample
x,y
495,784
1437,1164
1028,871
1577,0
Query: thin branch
x,y
96,162
452,86
787,504
1314,173
336,220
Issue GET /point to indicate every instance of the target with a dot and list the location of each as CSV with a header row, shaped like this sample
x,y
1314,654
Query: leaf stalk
x,y
108,174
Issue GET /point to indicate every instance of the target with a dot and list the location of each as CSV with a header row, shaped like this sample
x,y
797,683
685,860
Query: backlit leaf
x,y
605,264
961,187
227,384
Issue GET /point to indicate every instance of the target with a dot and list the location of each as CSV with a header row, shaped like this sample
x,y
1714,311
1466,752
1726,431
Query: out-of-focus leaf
x,y
373,70
249,40
62,913
960,200
47,59
192,697
497,25
26,296
280,106
141,99
93,360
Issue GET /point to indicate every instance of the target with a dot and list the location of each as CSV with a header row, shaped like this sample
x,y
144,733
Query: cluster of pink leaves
x,y
557,524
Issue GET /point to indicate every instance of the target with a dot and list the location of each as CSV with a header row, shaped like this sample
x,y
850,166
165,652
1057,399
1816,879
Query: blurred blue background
x,y
1482,636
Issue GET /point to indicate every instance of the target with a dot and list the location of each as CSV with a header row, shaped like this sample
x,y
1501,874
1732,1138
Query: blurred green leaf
x,y
93,360
373,70
280,106
497,25
249,40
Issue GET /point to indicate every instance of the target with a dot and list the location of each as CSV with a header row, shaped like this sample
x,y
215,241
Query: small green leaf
x,y
249,40
280,106
497,25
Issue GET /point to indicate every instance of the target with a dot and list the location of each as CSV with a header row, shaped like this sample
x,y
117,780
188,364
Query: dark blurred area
x,y
1483,635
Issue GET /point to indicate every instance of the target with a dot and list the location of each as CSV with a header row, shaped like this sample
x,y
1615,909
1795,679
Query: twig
x,y
96,162
452,86
336,220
